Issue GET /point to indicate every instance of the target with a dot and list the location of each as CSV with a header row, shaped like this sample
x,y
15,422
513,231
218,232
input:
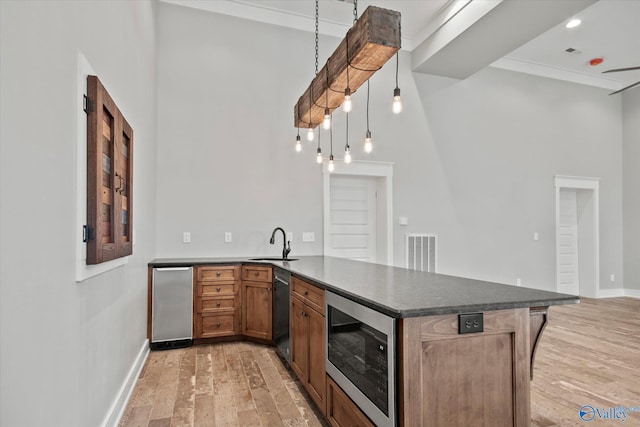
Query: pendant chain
x,y
317,37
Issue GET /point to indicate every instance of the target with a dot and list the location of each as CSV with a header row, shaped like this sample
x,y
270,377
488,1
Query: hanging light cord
x,y
347,143
367,104
397,62
331,138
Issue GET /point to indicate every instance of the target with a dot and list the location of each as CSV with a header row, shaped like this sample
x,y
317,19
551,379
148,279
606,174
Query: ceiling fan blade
x,y
615,70
625,88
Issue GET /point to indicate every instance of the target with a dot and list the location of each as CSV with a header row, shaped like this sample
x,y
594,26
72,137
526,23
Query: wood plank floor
x,y
589,354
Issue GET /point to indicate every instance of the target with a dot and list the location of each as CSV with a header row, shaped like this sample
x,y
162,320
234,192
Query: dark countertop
x,y
398,292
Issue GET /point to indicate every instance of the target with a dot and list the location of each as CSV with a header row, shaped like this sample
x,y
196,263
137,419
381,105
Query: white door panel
x,y
568,265
352,217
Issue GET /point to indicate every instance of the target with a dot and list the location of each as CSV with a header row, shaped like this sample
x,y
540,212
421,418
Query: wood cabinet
x,y
469,373
307,339
341,411
108,231
257,302
216,301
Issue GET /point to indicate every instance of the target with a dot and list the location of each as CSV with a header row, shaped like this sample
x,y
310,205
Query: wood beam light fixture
x,y
369,44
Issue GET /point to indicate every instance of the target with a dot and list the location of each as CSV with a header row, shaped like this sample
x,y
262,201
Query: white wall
x,y
499,138
474,160
226,90
631,187
67,347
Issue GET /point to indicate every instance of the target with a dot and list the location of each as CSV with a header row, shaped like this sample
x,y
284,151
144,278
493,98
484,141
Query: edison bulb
x,y
397,102
326,124
368,145
331,167
346,105
347,155
319,156
310,135
298,144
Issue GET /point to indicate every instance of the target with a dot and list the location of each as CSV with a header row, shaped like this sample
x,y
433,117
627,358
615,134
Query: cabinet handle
x,y
217,304
218,325
306,293
269,289
257,273
217,289
218,274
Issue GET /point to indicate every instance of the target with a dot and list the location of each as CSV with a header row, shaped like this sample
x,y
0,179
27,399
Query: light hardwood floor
x,y
589,354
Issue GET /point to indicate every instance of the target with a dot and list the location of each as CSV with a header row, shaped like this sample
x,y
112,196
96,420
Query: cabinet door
x,y
256,309
109,177
299,341
316,383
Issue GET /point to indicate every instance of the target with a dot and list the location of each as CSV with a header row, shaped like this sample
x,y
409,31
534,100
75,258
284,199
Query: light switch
x,y
535,235
227,237
186,237
308,236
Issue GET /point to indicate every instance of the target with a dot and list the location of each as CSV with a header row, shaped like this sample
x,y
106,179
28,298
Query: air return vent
x,y
421,252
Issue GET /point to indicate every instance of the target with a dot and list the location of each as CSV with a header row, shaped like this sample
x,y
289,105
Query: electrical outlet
x,y
470,323
186,237
613,277
536,236
289,236
403,220
308,236
227,237
518,282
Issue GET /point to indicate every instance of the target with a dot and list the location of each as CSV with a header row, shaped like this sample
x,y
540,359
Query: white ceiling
x,y
610,29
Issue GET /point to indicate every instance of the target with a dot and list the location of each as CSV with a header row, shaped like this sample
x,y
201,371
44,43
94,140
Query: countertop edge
x,y
562,299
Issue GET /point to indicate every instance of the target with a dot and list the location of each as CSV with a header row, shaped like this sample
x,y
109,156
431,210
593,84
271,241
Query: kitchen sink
x,y
273,259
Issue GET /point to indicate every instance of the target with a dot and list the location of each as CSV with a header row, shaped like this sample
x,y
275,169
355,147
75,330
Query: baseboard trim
x,y
619,292
116,411
634,293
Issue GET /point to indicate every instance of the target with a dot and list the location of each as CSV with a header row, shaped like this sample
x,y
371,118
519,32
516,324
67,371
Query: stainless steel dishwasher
x,y
281,279
172,308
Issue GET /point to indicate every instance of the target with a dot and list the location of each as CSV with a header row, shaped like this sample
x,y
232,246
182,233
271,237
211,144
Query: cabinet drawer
x,y
207,289
341,411
206,305
218,273
256,274
309,294
212,325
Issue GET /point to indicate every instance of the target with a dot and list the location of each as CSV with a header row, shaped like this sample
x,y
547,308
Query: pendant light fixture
x,y
326,124
368,145
310,134
346,104
397,102
319,151
298,143
331,166
347,149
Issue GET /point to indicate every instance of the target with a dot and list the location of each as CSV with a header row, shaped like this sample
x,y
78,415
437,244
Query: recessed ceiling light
x,y
573,23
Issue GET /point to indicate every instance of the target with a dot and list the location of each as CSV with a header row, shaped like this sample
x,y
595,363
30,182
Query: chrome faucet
x,y
285,249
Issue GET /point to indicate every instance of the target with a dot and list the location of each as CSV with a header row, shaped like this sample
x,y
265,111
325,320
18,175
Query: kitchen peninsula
x,y
444,375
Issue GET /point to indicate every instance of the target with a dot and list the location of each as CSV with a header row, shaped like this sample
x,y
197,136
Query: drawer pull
x,y
217,304
218,274
257,273
218,289
218,325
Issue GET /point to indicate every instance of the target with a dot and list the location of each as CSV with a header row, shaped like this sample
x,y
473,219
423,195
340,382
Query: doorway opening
x,y
577,236
358,218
